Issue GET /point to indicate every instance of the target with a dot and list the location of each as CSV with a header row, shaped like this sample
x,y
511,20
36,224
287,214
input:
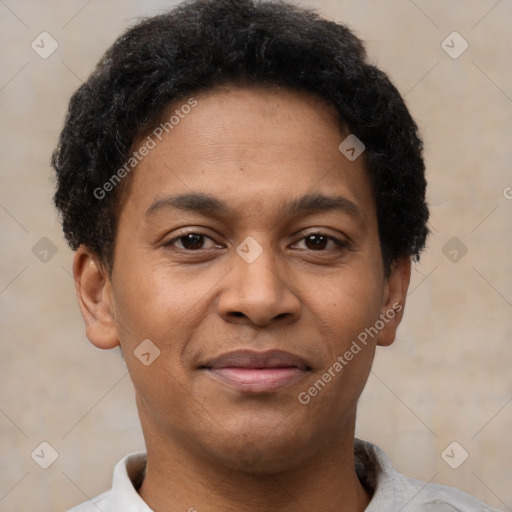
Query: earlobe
x,y
94,291
394,300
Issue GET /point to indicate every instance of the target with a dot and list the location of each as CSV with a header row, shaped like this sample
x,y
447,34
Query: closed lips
x,y
257,360
257,372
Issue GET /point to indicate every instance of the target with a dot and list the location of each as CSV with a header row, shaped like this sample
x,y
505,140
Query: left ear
x,y
395,292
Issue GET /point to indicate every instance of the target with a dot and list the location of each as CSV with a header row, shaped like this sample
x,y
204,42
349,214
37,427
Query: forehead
x,y
229,117
246,144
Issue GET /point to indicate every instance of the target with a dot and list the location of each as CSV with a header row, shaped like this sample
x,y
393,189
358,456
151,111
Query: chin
x,y
266,453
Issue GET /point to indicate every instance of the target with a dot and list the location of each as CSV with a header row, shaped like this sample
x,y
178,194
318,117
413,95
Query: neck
x,y
178,480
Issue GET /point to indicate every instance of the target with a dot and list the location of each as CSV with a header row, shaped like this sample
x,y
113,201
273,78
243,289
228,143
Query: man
x,y
245,194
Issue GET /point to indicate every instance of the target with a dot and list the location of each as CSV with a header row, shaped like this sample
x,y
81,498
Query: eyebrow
x,y
209,205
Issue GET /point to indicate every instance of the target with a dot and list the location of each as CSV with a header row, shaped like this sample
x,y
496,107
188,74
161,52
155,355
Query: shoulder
x,y
123,496
431,497
101,502
394,491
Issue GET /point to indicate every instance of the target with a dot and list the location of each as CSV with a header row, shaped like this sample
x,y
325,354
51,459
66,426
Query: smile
x,y
257,372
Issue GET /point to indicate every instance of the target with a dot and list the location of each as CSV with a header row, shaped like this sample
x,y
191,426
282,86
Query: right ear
x,y
95,298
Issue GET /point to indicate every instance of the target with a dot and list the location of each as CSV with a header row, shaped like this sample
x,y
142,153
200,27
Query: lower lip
x,y
258,380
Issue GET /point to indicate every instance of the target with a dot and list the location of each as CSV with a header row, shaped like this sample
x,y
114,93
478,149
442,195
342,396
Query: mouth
x,y
257,372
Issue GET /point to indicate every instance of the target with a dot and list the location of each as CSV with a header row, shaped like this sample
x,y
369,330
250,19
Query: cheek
x,y
153,301
345,306
345,319
157,311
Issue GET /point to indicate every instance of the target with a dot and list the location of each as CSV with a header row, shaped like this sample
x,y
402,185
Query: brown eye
x,y
190,241
320,242
316,242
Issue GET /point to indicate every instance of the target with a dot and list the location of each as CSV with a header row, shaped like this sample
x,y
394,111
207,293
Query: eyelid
x,y
196,231
339,241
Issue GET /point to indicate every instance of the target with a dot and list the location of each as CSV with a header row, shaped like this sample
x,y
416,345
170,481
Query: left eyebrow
x,y
206,204
314,203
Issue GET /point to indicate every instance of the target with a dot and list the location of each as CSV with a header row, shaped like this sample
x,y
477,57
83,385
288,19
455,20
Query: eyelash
x,y
341,244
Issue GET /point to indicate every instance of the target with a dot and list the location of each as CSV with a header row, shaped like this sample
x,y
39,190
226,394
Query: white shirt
x,y
392,491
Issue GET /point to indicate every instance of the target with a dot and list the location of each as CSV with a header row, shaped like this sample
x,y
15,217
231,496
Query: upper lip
x,y
253,359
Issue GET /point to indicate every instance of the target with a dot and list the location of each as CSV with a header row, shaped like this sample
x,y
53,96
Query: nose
x,y
258,292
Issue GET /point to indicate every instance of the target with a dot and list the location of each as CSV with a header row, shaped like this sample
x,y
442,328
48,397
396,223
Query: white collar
x,y
391,490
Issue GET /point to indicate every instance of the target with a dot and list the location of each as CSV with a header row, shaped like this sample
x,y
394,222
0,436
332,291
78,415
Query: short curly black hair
x,y
201,44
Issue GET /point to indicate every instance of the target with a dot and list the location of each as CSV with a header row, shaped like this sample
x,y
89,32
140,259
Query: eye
x,y
317,242
320,241
192,241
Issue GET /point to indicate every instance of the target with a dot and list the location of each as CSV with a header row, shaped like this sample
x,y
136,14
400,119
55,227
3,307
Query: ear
x,y
95,298
395,292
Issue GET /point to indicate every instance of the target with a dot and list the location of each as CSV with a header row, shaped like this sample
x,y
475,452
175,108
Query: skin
x,y
211,446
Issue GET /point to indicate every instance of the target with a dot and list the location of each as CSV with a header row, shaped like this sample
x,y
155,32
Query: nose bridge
x,y
257,264
257,289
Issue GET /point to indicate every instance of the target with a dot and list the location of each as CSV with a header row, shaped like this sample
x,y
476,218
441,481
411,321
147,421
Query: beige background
x,y
448,376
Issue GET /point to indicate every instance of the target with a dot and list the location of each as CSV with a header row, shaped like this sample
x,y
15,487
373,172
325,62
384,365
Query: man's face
x,y
253,275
